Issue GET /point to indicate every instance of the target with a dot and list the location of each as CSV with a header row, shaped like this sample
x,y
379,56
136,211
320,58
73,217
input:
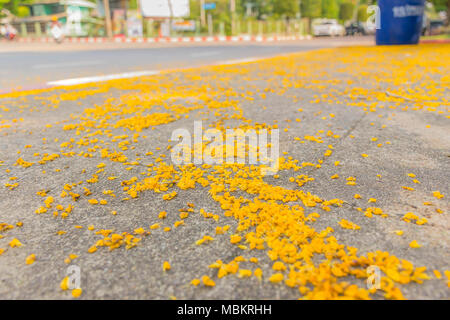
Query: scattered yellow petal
x,y
195,282
207,281
65,283
30,259
276,278
414,244
166,266
15,243
76,292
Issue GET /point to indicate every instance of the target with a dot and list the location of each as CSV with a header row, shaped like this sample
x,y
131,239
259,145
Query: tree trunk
x,y
108,23
169,2
448,12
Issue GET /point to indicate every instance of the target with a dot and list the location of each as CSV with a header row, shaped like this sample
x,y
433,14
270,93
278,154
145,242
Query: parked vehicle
x,y
328,27
433,21
432,27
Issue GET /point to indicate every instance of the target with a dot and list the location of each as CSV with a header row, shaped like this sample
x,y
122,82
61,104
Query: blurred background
x,y
185,18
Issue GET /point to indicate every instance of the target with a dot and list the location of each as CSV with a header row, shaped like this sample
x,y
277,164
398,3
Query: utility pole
x,y
210,25
202,13
448,12
107,19
233,16
355,11
169,2
248,6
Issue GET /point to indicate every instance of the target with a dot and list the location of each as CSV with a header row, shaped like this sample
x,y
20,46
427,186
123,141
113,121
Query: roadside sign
x,y
134,24
183,25
209,6
162,9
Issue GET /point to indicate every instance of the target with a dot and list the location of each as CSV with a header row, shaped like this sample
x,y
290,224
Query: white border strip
x,y
84,80
75,81
244,37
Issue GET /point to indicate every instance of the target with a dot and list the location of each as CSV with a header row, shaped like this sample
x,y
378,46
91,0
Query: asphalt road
x,y
364,121
31,65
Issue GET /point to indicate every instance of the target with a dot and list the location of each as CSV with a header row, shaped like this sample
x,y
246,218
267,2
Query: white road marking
x,y
238,61
75,81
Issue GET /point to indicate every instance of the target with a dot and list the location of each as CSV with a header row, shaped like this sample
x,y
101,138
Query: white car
x,y
328,28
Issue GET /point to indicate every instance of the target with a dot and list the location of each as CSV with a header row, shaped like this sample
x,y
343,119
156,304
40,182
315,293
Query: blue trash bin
x,y
400,21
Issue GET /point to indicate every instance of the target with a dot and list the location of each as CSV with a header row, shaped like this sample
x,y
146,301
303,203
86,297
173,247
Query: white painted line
x,y
75,81
238,61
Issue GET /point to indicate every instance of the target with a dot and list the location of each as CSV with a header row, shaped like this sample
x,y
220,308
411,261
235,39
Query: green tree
x,y
311,8
362,13
132,4
13,5
263,8
23,11
287,8
330,9
441,5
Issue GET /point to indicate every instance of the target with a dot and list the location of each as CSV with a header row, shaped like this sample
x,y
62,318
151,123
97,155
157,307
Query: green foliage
x,y
330,9
195,9
132,4
311,8
23,11
441,5
261,8
362,13
287,8
13,5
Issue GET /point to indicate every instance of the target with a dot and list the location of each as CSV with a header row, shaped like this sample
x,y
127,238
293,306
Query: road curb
x,y
169,39
435,41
